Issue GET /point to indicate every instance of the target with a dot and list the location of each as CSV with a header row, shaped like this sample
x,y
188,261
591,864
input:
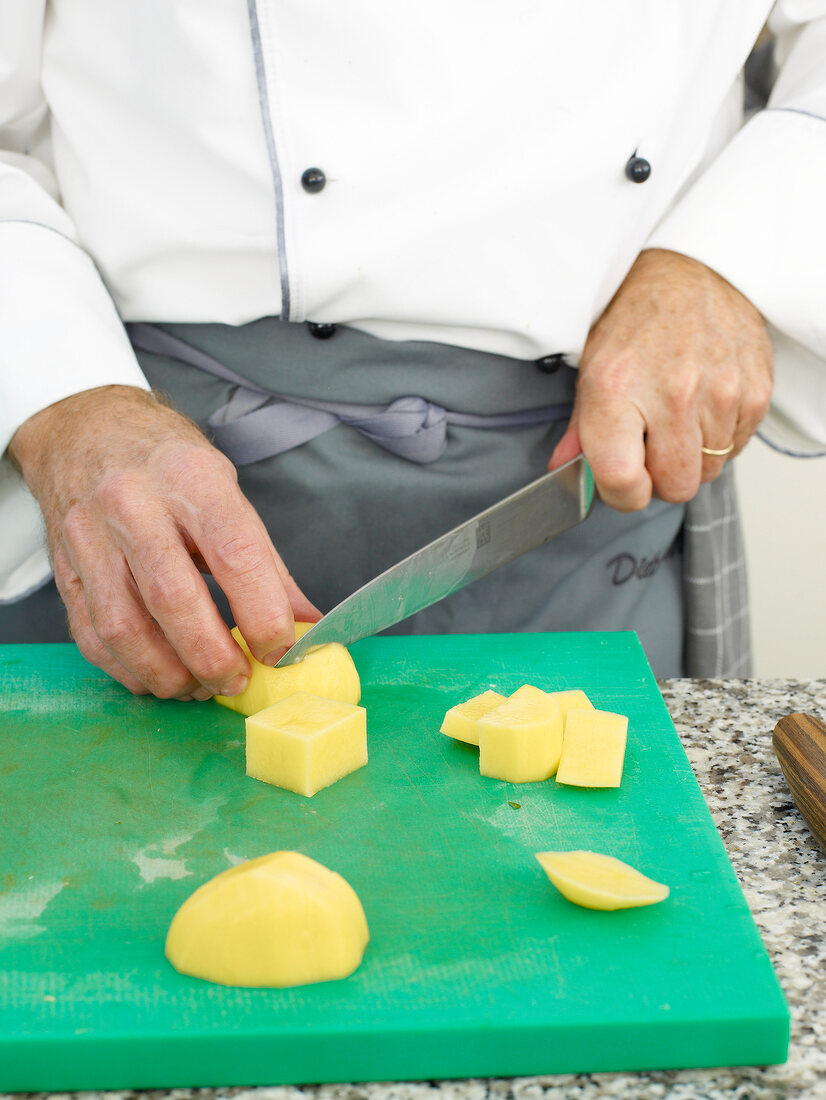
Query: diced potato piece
x,y
328,671
305,742
280,920
460,721
520,740
593,749
597,881
568,700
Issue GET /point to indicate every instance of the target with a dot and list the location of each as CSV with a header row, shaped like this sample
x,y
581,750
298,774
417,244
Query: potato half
x,y
279,920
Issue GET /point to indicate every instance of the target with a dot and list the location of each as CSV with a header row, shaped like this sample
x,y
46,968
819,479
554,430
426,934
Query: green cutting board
x,y
115,808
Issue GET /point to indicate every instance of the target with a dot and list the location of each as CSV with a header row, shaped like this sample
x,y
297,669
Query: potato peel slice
x,y
597,881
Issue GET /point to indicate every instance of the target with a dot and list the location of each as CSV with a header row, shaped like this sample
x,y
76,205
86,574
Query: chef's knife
x,y
529,517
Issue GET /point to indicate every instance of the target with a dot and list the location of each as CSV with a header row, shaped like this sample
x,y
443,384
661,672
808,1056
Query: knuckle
x,y
674,480
241,555
118,494
757,399
726,392
162,672
627,502
616,474
680,389
214,664
269,631
130,683
118,631
76,527
677,491
167,685
610,376
167,590
86,640
193,469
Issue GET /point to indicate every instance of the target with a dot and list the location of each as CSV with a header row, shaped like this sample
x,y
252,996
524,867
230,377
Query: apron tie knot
x,y
257,423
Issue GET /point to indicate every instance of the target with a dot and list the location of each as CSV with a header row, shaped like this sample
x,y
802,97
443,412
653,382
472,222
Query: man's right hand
x,y
137,504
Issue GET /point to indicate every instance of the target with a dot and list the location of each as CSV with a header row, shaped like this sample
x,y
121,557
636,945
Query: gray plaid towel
x,y
717,635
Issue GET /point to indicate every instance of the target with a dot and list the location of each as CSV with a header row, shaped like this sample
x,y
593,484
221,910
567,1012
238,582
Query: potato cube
x,y
521,739
305,742
569,699
593,749
460,721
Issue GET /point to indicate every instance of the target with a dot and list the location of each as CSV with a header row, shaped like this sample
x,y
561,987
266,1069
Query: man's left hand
x,y
678,361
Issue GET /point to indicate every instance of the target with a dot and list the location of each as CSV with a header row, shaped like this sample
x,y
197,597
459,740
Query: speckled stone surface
x,y
726,727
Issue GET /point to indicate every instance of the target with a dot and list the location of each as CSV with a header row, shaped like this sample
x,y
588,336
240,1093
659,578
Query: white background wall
x,y
783,502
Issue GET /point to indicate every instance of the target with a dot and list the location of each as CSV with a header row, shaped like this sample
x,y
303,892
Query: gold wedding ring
x,y
718,454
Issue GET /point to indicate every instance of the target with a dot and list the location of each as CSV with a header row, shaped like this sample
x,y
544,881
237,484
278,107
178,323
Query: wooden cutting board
x,y
115,808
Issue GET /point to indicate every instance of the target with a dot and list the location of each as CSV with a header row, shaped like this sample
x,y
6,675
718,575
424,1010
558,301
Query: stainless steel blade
x,y
522,521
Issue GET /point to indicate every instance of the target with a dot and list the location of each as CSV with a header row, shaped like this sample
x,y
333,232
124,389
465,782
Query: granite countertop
x,y
726,728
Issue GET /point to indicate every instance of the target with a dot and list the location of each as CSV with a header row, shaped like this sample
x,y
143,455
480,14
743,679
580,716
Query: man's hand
x,y
678,361
137,502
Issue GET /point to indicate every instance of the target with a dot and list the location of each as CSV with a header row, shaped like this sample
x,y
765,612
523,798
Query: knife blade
x,y
520,522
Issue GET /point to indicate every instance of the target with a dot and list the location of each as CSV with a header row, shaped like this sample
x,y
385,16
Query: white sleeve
x,y
59,330
757,216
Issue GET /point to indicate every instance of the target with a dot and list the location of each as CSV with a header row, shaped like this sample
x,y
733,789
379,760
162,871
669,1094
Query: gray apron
x,y
373,447
358,494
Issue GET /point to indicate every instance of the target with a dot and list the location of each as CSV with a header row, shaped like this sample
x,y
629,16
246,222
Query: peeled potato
x,y
327,671
520,740
280,920
460,722
567,700
593,749
597,881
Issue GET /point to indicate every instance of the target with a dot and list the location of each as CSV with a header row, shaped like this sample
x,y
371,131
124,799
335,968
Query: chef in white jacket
x,y
355,204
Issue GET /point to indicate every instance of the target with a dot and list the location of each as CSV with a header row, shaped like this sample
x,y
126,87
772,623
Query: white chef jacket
x,y
152,152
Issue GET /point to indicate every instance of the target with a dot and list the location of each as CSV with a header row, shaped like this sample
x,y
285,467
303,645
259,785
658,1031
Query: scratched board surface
x,y
115,808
